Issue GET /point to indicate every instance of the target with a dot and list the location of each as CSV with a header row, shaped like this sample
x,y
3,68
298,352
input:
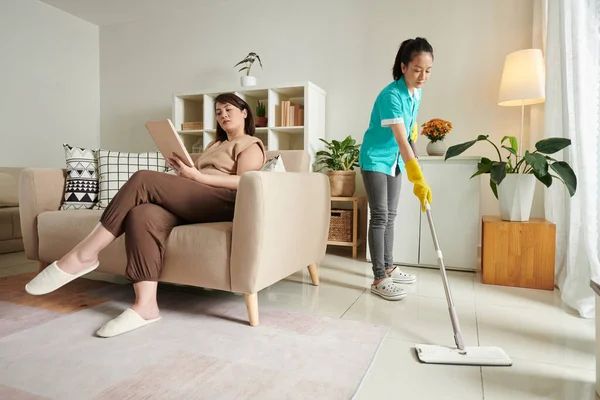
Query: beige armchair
x,y
280,226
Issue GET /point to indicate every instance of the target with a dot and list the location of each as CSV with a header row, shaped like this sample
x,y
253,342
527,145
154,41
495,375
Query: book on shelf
x,y
292,114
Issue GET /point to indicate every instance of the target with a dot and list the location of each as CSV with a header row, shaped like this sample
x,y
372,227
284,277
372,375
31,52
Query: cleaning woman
x,y
387,151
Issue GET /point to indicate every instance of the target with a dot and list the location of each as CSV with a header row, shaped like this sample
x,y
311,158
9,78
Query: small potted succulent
x,y
247,79
261,115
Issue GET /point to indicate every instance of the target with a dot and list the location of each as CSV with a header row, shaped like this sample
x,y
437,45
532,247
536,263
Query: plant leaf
x,y
513,143
498,172
567,175
545,179
552,145
537,162
458,149
510,149
494,188
484,167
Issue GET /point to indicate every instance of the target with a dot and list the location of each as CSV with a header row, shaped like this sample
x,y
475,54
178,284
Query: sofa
x,y
280,226
10,223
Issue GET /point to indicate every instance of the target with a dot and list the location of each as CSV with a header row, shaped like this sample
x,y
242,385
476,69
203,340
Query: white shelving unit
x,y
199,107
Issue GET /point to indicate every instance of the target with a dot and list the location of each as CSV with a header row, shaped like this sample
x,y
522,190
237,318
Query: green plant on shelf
x,y
339,156
261,110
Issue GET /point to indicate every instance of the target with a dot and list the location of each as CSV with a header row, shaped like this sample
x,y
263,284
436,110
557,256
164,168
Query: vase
x,y
515,194
342,183
437,148
248,81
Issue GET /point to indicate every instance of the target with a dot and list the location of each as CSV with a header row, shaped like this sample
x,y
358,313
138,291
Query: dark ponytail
x,y
408,50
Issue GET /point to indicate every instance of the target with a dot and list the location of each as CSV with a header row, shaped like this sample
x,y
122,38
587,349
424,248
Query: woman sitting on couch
x,y
150,204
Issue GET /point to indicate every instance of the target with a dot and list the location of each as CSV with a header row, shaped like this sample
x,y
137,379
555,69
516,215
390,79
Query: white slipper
x,y
402,277
388,290
126,322
52,278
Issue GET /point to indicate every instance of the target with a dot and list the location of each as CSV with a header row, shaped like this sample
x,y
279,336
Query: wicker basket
x,y
340,226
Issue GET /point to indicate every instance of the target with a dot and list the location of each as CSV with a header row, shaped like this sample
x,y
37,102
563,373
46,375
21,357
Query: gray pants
x,y
383,194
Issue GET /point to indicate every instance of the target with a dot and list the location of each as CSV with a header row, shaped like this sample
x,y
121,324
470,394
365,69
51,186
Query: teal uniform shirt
x,y
379,151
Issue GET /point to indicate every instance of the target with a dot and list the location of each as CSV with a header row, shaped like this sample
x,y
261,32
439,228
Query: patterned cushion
x,y
274,164
81,188
116,167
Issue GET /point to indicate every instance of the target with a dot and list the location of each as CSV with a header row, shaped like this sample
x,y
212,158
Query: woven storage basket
x,y
340,226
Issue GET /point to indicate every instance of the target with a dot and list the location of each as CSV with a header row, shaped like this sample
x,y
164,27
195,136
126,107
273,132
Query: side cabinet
x,y
456,215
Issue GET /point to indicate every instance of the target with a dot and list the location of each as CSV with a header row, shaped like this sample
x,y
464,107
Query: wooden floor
x,y
70,298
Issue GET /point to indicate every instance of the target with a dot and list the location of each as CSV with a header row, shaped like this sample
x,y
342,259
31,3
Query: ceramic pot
x,y
248,81
437,148
515,194
261,122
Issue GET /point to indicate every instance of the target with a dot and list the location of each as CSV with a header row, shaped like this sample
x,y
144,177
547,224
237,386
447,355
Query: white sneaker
x,y
401,277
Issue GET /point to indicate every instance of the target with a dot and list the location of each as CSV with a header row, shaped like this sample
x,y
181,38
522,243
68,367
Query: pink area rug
x,y
202,348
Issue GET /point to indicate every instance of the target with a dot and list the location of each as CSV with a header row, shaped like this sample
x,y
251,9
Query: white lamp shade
x,y
523,79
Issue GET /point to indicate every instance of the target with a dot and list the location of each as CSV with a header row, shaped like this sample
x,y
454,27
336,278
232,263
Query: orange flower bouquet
x,y
436,129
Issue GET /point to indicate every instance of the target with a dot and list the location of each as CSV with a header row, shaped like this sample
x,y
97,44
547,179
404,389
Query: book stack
x,y
190,126
292,114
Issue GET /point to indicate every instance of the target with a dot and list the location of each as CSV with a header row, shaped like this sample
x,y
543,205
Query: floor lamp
x,y
523,82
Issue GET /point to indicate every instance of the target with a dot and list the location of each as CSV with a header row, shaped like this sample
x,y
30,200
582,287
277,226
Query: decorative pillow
x,y
115,168
81,188
274,164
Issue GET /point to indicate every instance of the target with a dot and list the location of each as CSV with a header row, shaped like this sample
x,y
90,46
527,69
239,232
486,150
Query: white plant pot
x,y
437,148
248,81
515,194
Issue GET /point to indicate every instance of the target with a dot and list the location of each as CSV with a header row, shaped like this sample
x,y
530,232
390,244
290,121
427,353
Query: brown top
x,y
220,158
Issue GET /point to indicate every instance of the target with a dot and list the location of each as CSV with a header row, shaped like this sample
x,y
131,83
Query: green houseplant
x,y
247,79
339,159
512,179
261,115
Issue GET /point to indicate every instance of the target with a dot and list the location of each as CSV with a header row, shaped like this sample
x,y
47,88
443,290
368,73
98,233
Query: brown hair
x,y
234,100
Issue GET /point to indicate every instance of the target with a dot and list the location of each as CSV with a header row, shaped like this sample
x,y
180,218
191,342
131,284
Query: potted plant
x,y
340,158
512,179
436,130
261,115
248,80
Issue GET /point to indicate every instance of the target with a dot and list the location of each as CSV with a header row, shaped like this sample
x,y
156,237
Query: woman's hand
x,y
183,170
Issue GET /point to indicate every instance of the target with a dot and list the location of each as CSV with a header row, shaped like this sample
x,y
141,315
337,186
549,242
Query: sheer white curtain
x,y
570,32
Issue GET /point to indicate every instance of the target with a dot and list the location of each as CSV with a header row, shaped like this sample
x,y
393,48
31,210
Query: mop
x,y
461,355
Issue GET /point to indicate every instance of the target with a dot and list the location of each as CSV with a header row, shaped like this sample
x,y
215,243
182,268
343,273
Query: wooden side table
x,y
357,237
518,253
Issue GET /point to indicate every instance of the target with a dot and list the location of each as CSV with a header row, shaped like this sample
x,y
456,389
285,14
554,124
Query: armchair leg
x,y
252,307
314,274
42,266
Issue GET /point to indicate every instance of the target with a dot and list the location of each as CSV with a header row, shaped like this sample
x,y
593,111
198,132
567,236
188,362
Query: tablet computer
x,y
168,141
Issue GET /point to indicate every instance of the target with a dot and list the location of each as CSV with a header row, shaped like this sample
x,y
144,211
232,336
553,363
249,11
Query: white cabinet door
x,y
406,229
455,211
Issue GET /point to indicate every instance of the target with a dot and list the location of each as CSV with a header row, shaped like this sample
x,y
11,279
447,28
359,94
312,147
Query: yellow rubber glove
x,y
421,188
414,134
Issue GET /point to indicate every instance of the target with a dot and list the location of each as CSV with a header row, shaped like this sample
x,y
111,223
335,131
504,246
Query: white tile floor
x,y
552,348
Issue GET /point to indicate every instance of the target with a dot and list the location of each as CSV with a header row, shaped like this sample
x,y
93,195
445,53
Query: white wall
x,y
49,84
345,46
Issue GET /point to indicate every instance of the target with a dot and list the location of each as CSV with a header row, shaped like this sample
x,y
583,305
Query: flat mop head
x,y
484,356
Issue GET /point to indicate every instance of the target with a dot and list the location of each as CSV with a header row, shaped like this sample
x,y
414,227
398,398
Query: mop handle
x,y
453,316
